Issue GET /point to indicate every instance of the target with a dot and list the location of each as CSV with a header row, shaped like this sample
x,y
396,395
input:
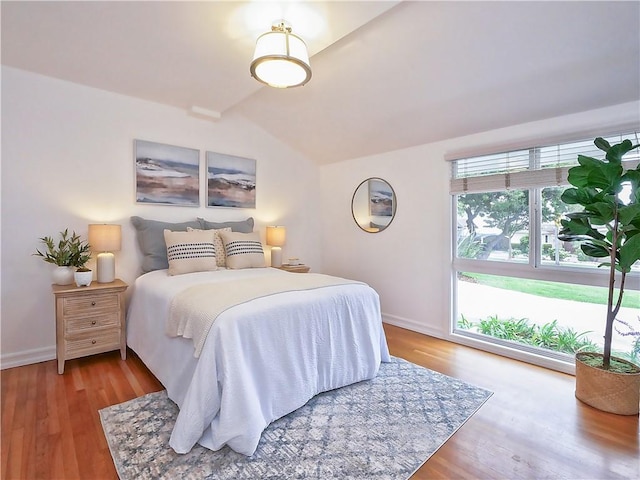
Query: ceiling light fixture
x,y
281,59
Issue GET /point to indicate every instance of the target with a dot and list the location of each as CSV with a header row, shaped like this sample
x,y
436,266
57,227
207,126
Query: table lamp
x,y
105,239
276,236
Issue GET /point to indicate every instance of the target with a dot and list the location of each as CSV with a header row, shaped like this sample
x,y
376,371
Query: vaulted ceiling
x,y
386,75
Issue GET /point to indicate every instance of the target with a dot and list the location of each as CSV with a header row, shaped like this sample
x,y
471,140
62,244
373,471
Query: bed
x,y
260,359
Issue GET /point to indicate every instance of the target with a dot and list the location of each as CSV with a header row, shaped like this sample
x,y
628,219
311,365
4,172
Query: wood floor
x,y
532,427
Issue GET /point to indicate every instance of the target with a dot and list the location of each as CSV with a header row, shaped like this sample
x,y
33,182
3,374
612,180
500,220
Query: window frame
x,y
534,269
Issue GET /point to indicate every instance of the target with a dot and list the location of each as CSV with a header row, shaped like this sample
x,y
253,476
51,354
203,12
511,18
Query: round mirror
x,y
373,205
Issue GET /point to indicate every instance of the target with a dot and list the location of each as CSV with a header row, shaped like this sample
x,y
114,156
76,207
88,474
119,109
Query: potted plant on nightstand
x,y
80,255
609,228
69,252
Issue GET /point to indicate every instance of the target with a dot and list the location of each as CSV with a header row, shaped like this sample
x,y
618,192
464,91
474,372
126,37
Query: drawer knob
x,y
93,304
93,322
93,342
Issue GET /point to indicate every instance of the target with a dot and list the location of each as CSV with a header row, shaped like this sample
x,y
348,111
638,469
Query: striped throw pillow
x,y
189,252
221,257
244,250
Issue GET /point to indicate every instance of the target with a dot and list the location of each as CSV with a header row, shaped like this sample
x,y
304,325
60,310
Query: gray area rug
x,y
384,428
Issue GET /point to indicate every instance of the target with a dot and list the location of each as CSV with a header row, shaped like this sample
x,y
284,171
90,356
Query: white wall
x,y
67,161
409,263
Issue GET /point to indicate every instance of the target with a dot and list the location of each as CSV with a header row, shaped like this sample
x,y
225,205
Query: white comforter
x,y
261,360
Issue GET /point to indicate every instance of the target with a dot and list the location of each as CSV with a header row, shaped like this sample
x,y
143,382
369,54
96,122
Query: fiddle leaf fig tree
x,y
608,224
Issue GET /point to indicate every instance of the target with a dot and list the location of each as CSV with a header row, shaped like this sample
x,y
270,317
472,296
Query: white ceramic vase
x,y
63,276
83,279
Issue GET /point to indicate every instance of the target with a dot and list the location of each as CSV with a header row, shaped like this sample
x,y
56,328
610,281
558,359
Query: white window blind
x,y
535,167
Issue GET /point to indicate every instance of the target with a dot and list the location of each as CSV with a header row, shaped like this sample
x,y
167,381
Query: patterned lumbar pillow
x,y
189,252
244,250
221,257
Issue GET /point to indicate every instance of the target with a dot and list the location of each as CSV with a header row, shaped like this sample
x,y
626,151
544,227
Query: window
x,y
516,284
490,223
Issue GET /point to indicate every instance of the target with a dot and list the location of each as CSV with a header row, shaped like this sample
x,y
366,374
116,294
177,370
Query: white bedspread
x,y
261,360
194,310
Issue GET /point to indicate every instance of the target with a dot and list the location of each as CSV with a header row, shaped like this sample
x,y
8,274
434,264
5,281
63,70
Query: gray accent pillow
x,y
243,226
150,235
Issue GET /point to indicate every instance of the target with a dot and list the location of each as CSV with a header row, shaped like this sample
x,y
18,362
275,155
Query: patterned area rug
x,y
384,428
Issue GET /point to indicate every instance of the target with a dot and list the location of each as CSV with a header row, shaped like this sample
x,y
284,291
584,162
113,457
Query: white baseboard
x,y
410,324
38,355
527,357
533,359
27,357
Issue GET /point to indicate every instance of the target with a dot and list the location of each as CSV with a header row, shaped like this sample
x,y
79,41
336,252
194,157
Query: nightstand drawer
x,y
90,342
91,305
81,324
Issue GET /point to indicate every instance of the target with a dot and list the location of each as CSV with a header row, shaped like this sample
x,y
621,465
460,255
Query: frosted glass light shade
x,y
280,59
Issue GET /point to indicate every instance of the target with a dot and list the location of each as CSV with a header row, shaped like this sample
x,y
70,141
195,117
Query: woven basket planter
x,y
617,393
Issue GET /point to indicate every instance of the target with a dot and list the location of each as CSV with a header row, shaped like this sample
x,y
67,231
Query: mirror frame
x,y
395,204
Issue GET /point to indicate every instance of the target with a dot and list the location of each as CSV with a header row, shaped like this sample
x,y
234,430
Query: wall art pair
x,y
170,175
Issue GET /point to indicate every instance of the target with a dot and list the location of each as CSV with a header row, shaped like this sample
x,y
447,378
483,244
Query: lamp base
x,y
276,256
106,263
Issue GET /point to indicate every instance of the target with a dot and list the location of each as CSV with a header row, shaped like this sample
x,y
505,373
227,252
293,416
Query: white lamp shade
x,y
105,238
281,60
276,236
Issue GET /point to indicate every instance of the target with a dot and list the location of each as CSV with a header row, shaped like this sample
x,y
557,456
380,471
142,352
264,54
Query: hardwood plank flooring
x,y
532,427
50,423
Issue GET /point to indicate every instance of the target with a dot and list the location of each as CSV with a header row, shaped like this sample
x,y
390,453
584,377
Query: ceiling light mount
x,y
281,26
280,59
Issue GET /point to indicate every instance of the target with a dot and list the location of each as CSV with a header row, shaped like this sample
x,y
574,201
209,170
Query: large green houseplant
x,y
609,228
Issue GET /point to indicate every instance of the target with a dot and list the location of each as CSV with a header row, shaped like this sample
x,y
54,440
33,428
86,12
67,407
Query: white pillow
x,y
221,257
189,252
243,250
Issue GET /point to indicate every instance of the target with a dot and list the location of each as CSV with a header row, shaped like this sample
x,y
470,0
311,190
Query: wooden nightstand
x,y
295,268
89,320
